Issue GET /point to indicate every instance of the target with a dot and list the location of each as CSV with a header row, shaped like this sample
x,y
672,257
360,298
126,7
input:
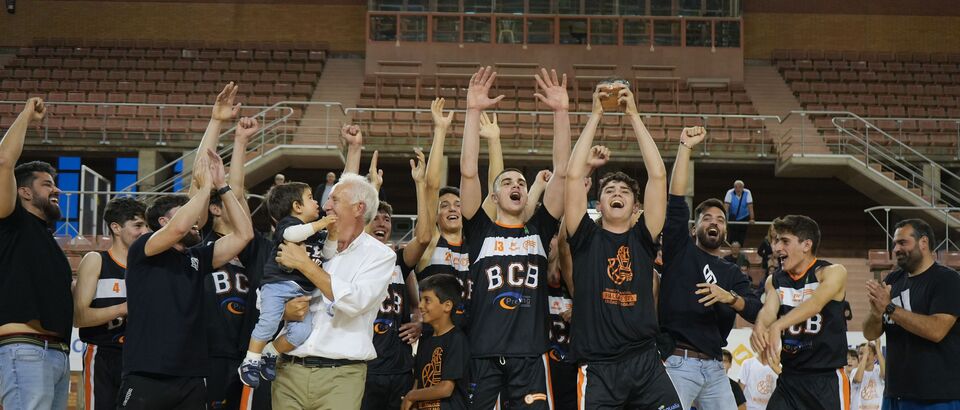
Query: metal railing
x,y
945,244
901,120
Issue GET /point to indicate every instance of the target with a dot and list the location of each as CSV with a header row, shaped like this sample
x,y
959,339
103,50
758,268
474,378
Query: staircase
x,y
771,96
341,82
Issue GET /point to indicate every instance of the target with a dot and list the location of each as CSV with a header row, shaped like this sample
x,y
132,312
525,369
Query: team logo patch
x,y
618,269
234,305
556,353
530,398
382,326
509,300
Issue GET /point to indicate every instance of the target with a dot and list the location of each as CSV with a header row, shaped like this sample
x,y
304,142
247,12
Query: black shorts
x,y
638,381
563,381
226,391
383,391
140,391
820,391
101,377
511,382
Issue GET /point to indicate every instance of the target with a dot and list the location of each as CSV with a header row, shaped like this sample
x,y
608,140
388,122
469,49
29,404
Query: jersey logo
x,y
708,275
618,269
195,263
382,326
234,305
766,385
431,372
511,300
530,398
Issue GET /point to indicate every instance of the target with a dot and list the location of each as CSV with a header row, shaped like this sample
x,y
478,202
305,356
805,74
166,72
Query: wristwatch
x,y
735,296
889,309
223,190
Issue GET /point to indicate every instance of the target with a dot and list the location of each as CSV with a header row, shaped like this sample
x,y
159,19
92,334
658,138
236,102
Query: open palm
x,y
554,90
478,94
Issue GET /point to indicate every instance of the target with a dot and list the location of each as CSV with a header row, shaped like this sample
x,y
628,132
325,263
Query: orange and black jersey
x,y
685,265
508,306
820,343
560,300
452,259
439,358
613,313
111,291
393,354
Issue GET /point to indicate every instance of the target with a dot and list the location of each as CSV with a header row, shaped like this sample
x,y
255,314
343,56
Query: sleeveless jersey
x,y
394,356
452,259
227,297
819,343
111,290
508,306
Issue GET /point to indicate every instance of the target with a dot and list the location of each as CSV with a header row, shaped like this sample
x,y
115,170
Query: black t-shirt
x,y
613,311
452,259
560,301
737,393
684,266
393,354
165,303
35,275
111,291
917,368
508,309
273,272
444,357
230,298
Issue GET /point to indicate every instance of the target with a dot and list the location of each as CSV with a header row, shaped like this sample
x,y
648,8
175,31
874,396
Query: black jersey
x,y
452,259
820,343
439,358
613,311
111,291
393,354
273,272
560,300
508,306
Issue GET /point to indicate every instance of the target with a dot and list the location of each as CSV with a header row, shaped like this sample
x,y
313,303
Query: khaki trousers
x,y
332,388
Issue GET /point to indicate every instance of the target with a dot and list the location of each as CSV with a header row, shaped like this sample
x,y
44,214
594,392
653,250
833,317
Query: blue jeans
x,y
890,403
32,377
273,298
702,380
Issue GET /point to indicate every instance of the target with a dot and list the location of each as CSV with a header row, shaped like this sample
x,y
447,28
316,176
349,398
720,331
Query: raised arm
x,y
224,109
10,149
536,192
353,139
477,100
374,174
680,176
555,96
565,257
246,128
187,216
88,275
424,227
490,130
229,246
655,192
441,123
579,167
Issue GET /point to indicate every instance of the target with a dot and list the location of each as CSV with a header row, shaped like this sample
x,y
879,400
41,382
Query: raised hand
x,y
375,175
598,96
599,155
544,175
440,120
489,129
224,108
478,93
418,167
35,109
246,128
201,170
351,135
217,173
554,91
625,97
692,136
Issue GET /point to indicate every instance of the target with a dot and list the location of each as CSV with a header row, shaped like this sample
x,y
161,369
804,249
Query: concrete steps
x,y
771,96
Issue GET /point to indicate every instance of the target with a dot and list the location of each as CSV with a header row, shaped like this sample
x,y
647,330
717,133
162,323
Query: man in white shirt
x,y
329,369
758,382
739,204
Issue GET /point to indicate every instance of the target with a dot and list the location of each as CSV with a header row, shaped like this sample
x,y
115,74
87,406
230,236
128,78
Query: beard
x,y
50,210
707,241
191,239
910,260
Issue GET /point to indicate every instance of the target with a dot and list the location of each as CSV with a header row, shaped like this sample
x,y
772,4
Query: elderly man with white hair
x,y
739,204
329,369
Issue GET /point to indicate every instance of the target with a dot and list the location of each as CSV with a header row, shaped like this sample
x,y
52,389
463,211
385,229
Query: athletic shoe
x,y
268,369
249,372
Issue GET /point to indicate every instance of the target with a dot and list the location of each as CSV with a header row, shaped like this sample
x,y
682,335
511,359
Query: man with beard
x,y
165,356
917,306
100,303
804,309
700,292
36,309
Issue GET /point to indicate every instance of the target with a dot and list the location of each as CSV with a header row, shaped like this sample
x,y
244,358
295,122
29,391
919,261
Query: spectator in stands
x,y
737,258
765,250
737,390
739,206
853,360
329,369
279,179
917,306
36,307
327,187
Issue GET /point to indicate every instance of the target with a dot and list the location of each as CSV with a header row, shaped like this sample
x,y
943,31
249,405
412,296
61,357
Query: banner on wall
x,y
738,343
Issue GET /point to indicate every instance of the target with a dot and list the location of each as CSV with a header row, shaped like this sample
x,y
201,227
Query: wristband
x,y
223,190
685,145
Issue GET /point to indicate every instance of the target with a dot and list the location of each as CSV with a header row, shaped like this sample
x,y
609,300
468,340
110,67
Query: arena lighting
x,y
11,6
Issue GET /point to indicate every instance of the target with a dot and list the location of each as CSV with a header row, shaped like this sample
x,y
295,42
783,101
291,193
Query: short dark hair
x,y
709,203
445,285
385,207
123,209
25,173
800,225
280,198
449,190
160,207
505,170
853,353
620,176
920,229
727,355
215,198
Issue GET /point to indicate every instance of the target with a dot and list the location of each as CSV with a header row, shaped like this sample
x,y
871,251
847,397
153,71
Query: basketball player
x,y
508,306
100,303
801,331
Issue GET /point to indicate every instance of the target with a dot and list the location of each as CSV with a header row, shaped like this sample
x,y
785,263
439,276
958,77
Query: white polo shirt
x,y
343,327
